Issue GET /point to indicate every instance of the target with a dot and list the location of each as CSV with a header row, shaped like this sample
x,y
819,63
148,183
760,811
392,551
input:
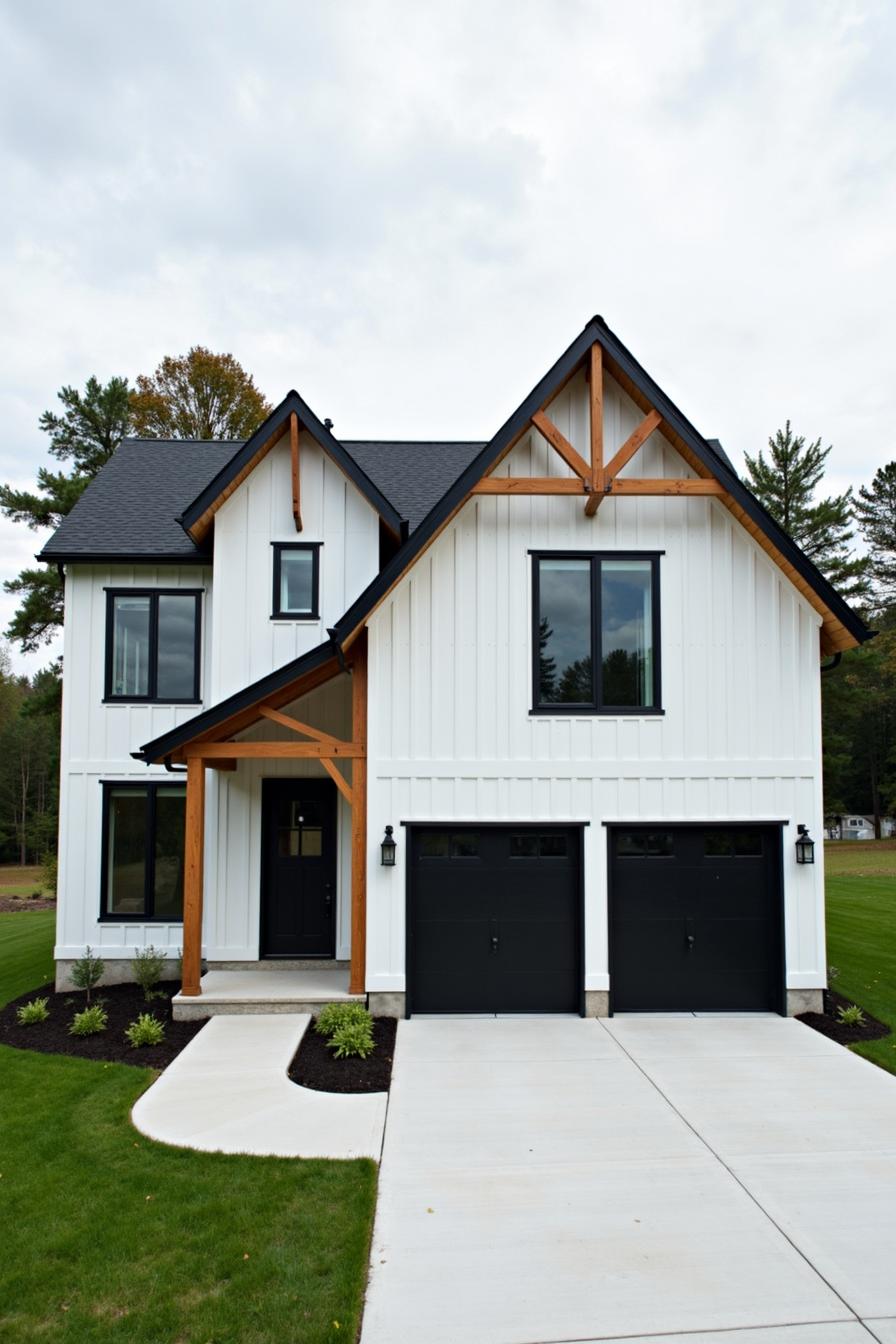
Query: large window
x,y
596,633
152,645
296,570
143,852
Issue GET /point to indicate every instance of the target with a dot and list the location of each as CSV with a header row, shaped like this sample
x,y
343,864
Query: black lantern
x,y
805,845
388,849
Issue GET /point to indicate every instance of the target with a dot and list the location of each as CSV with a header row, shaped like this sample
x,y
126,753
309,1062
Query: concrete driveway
x,y
553,1179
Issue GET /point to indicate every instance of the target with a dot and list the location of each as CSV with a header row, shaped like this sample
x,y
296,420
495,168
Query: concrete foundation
x,y
804,1001
597,1003
118,972
388,1003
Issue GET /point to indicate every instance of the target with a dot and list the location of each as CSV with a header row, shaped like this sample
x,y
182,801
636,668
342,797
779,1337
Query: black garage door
x,y
696,919
494,919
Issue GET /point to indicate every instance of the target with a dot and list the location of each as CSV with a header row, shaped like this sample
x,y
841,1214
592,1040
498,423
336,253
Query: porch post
x,y
194,837
359,819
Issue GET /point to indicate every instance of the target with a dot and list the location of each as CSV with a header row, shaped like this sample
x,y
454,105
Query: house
x,y
858,828
524,725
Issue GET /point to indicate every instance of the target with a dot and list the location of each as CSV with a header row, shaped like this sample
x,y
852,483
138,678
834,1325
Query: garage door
x,y
493,920
695,922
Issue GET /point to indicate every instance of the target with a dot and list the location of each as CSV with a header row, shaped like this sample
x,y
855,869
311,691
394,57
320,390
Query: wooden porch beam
x,y
338,779
596,402
561,445
651,421
294,461
228,764
297,726
194,842
358,973
529,485
312,751
664,485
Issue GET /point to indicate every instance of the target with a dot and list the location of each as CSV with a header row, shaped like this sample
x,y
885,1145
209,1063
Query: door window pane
x,y
434,845
627,632
631,844
312,842
130,646
177,647
564,632
524,846
169,852
718,845
553,847
748,844
126,852
288,842
296,581
465,845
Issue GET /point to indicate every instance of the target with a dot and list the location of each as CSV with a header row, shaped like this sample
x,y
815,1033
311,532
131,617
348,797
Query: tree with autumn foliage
x,y
199,395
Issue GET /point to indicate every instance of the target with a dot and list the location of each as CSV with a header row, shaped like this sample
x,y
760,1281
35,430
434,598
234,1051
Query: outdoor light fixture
x,y
388,849
805,845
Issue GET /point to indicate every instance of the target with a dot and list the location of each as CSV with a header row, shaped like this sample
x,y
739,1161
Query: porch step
x,y
311,964
279,991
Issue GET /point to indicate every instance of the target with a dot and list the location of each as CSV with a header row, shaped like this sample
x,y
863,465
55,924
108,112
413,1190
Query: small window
x,y
296,580
552,846
465,845
433,845
718,845
152,646
645,844
748,844
524,845
143,851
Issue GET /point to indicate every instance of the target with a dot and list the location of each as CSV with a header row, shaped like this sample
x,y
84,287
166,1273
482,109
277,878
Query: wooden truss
x,y
597,479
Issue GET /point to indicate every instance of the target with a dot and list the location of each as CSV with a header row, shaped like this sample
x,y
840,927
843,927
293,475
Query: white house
x,y
572,672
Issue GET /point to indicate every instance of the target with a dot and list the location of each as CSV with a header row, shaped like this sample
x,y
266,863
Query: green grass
x,y
861,920
16,880
115,1238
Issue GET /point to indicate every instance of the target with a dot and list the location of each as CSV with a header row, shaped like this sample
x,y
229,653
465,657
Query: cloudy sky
x,y
407,211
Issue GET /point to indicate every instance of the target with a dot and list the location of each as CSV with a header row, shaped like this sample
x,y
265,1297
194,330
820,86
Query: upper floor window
x,y
152,645
296,580
596,633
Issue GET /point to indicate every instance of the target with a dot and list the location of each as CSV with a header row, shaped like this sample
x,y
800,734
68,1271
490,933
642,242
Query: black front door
x,y
298,888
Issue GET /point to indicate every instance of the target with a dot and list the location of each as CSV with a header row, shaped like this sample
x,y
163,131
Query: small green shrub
x,y
36,895
352,1039
833,974
336,1015
87,971
147,1030
148,965
851,1016
89,1021
35,1011
50,872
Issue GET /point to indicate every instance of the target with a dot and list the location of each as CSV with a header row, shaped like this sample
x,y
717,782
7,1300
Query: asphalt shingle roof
x,y
414,476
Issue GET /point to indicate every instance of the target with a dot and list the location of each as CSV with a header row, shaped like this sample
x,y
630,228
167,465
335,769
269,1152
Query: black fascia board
x,y
327,441
162,746
123,558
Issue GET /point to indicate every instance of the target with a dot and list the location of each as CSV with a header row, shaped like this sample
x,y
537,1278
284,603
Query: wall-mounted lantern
x,y
805,845
388,848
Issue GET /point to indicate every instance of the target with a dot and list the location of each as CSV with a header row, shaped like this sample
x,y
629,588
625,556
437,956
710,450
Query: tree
x,y
859,729
875,511
29,764
199,395
823,529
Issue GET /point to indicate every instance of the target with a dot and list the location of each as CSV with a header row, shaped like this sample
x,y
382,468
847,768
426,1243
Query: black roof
x,y
414,475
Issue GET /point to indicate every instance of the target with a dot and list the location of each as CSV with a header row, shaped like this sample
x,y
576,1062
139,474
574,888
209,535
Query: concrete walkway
x,y
228,1092
567,1180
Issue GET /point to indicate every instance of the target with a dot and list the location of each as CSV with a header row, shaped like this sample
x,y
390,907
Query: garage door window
x,y
595,633
733,844
644,844
449,845
531,845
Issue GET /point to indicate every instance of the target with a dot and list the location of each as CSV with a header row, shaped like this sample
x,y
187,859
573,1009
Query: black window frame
x,y
152,698
314,613
597,706
150,787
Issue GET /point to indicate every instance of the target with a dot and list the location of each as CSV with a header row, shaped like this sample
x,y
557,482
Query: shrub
x,y
50,872
36,895
87,971
146,1030
851,1016
352,1039
35,1011
148,965
336,1015
89,1021
833,974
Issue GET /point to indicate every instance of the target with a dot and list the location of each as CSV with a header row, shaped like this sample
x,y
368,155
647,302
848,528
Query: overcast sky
x,y
407,211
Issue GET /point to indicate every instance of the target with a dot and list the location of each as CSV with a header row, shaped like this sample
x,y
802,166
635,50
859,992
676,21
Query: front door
x,y
298,888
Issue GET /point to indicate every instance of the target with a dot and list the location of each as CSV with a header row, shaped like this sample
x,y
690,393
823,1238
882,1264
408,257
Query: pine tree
x,y
823,529
875,511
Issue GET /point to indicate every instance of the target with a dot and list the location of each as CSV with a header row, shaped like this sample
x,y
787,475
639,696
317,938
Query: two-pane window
x,y
143,851
596,633
296,570
152,645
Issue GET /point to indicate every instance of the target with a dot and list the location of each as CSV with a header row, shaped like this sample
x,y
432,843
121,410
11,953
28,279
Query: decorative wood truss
x,y
597,479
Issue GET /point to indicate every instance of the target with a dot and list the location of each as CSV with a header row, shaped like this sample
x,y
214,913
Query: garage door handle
x,y
691,941
494,942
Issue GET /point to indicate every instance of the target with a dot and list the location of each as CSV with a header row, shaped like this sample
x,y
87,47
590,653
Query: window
x,y
732,844
596,633
644,845
296,580
143,852
531,845
152,645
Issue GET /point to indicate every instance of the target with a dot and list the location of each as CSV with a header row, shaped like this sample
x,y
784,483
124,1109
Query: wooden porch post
x,y
194,838
357,976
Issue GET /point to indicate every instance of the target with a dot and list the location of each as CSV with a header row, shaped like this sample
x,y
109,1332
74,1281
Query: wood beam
x,y
651,421
338,779
200,528
297,726
596,419
561,445
358,972
664,485
301,751
529,485
229,764
194,842
294,461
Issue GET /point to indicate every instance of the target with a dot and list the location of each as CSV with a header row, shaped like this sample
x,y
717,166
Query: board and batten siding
x,y
97,741
451,736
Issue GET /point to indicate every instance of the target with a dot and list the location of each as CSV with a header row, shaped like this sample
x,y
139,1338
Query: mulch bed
x,y
829,1025
11,905
314,1066
123,1003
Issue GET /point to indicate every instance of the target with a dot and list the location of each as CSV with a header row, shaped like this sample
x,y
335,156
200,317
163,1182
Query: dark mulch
x,y
11,905
123,1003
314,1066
829,1025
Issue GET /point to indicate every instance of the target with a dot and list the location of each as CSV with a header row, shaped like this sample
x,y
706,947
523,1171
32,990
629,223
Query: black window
x,y
152,645
143,851
596,646
296,580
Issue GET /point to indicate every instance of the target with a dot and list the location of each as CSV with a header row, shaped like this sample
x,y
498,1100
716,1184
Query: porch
x,y
265,987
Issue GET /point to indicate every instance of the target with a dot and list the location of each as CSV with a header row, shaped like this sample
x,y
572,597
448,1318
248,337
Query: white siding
x,y
452,738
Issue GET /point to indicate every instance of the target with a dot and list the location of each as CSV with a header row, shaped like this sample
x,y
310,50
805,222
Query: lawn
x,y
16,880
861,920
114,1238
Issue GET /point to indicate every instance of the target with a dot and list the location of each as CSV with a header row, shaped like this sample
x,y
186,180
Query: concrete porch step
x,y
310,964
280,991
